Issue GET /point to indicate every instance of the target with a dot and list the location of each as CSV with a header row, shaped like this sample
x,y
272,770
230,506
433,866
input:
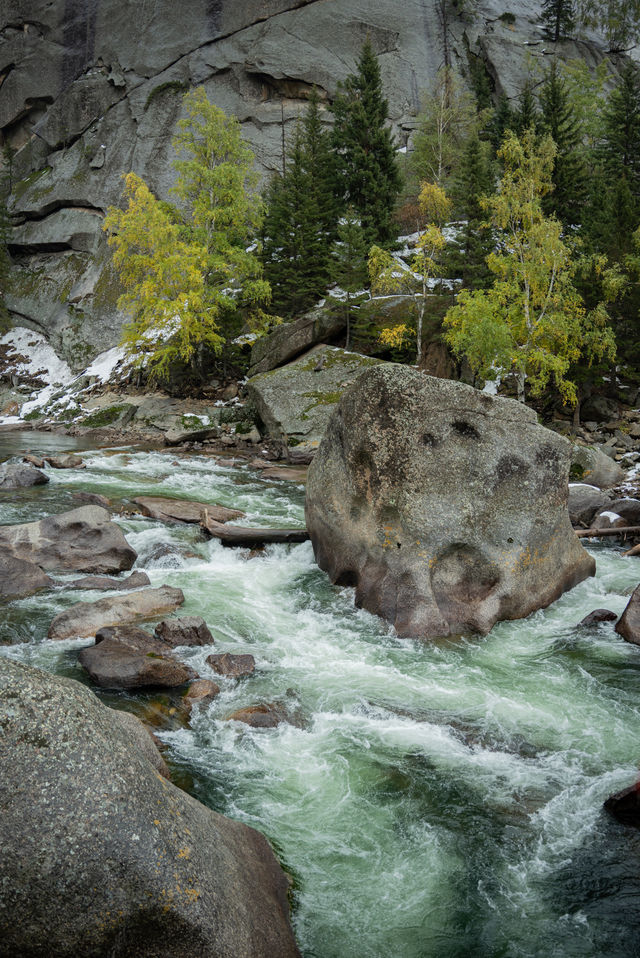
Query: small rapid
x,y
430,800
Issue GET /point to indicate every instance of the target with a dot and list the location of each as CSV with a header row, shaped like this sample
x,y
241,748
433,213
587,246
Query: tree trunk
x,y
520,379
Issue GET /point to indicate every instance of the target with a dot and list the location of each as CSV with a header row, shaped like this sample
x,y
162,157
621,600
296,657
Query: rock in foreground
x,y
445,507
82,540
86,618
102,856
130,658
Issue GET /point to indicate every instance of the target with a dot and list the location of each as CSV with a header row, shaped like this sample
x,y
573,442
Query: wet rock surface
x,y
129,658
103,583
419,498
201,692
182,510
232,665
598,616
268,715
139,868
86,618
20,476
82,540
184,630
19,578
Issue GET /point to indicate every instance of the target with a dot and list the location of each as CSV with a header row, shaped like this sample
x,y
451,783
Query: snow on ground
x,y
104,365
28,354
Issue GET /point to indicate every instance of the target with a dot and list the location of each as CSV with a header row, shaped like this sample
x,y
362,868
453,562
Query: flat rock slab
x,y
101,855
445,507
19,578
290,339
295,402
87,618
20,476
182,510
184,630
629,624
82,540
234,665
132,659
105,583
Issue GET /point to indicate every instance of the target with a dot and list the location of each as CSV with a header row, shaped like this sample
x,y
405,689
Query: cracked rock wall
x,y
90,89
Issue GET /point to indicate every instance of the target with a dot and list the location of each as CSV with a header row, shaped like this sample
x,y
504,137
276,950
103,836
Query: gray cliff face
x,y
91,89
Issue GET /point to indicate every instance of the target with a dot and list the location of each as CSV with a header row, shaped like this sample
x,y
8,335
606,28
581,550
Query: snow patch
x,y
29,354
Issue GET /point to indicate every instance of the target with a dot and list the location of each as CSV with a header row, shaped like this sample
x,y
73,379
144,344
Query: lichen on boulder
x,y
445,507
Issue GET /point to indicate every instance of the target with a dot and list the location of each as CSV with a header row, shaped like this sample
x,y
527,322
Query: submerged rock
x,y
132,659
625,805
101,855
185,630
598,616
629,624
269,715
86,618
82,540
20,476
445,507
200,692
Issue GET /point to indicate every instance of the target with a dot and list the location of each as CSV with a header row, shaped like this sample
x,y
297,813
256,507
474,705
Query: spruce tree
x,y
474,179
5,260
367,173
569,175
295,245
526,116
319,163
502,120
558,17
349,260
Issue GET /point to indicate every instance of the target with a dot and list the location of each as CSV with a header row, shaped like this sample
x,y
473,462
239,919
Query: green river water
x,y
439,800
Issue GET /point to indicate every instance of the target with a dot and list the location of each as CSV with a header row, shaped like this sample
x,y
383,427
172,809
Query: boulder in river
x,y
625,805
105,583
82,540
268,715
20,476
590,464
234,665
598,616
200,692
101,855
182,510
445,507
628,625
132,659
184,630
86,618
65,462
19,577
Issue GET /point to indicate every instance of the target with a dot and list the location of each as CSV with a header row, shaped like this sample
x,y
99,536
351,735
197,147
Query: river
x,y
437,800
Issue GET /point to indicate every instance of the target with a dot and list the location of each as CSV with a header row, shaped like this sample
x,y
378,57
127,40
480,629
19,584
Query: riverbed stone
x,y
81,540
101,855
19,578
105,583
201,692
625,805
132,659
445,507
183,510
20,476
591,465
267,715
628,625
184,630
65,462
226,663
584,502
86,618
598,616
627,508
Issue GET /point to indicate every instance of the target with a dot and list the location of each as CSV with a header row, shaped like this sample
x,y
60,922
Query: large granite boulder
x,y
590,465
82,540
444,506
101,855
19,578
86,618
20,475
584,502
295,401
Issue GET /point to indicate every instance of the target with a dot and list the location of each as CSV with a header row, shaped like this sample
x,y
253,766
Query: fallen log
x,y
614,531
632,552
231,535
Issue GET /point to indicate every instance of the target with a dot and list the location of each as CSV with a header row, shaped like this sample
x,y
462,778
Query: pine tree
x,y
503,120
319,163
349,260
569,174
558,17
366,168
474,179
295,245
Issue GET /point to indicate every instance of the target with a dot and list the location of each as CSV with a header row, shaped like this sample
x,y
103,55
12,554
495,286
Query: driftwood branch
x,y
632,552
243,536
597,533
